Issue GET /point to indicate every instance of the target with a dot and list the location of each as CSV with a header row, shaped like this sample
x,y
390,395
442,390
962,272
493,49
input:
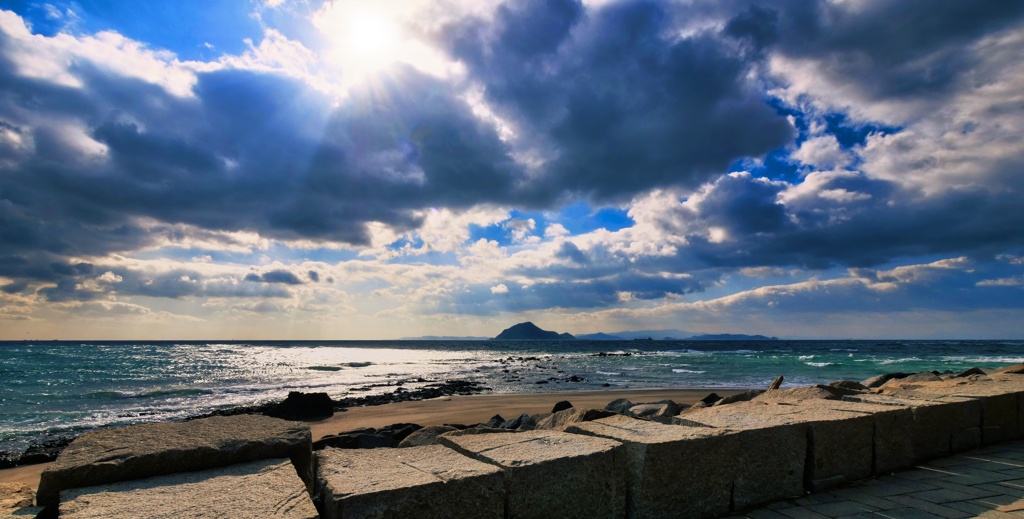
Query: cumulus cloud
x,y
867,147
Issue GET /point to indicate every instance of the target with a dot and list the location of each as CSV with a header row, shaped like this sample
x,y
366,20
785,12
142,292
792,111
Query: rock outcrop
x,y
141,451
267,488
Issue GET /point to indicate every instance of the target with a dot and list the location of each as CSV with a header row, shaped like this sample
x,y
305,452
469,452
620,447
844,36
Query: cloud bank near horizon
x,y
750,166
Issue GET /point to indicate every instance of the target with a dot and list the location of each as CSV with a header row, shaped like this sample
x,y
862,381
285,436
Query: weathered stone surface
x,y
553,474
1000,406
935,422
840,443
738,397
848,384
425,482
654,410
878,380
1015,369
266,488
678,471
126,453
620,405
15,495
562,419
426,436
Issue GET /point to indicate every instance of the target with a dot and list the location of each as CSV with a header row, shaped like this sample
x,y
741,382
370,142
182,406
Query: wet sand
x,y
454,409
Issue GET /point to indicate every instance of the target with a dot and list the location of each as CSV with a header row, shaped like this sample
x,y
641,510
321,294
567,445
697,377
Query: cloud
x,y
611,94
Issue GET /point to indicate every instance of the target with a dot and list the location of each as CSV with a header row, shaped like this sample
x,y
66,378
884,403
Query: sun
x,y
362,40
372,36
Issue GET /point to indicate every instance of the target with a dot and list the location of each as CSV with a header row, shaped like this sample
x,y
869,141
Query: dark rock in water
x,y
495,422
9,459
710,399
848,384
45,451
969,372
877,381
517,422
541,382
304,406
564,404
739,397
620,406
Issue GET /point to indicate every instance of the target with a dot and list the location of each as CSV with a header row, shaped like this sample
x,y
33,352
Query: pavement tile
x,y
1017,483
922,473
817,498
994,501
975,492
878,503
1012,507
932,508
891,486
1010,491
841,508
999,458
802,513
943,495
969,507
976,477
765,514
907,513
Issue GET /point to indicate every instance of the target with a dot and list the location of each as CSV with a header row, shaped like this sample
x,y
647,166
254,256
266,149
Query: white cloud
x,y
499,289
822,152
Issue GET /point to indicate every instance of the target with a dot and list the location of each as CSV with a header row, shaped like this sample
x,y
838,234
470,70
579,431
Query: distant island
x,y
531,332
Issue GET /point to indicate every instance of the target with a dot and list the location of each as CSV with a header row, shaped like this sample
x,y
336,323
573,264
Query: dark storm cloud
x,y
621,101
878,223
889,49
275,276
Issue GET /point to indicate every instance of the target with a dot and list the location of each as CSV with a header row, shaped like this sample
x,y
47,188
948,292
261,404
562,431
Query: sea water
x,y
50,389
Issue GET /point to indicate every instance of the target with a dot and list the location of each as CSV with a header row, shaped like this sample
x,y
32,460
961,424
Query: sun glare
x,y
366,37
363,41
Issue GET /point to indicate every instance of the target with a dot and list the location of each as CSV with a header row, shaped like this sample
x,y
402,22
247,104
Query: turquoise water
x,y
55,388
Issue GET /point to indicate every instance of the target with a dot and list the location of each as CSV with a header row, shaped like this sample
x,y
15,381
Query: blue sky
x,y
302,169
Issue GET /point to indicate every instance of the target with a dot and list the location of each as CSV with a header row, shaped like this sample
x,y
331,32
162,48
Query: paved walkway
x,y
986,482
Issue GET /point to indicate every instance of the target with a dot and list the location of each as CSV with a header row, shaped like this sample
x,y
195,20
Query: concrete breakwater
x,y
699,462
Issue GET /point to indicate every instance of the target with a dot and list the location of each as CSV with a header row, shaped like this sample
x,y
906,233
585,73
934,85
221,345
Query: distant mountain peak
x,y
530,332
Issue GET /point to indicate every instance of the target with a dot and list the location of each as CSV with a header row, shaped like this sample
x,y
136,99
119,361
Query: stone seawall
x,y
706,461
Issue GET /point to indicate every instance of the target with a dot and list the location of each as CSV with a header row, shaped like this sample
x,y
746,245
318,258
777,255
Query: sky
x,y
317,169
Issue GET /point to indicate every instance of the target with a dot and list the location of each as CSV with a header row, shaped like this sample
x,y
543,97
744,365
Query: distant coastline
x,y
528,331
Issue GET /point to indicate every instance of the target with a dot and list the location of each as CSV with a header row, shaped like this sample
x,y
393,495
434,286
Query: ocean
x,y
50,389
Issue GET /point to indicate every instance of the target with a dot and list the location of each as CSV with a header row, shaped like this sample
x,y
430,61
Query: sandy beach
x,y
454,409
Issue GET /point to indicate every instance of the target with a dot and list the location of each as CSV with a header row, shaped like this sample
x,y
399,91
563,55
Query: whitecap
x,y
820,364
688,371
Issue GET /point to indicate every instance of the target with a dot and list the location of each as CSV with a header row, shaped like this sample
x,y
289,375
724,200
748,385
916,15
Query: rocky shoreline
x,y
678,460
47,449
